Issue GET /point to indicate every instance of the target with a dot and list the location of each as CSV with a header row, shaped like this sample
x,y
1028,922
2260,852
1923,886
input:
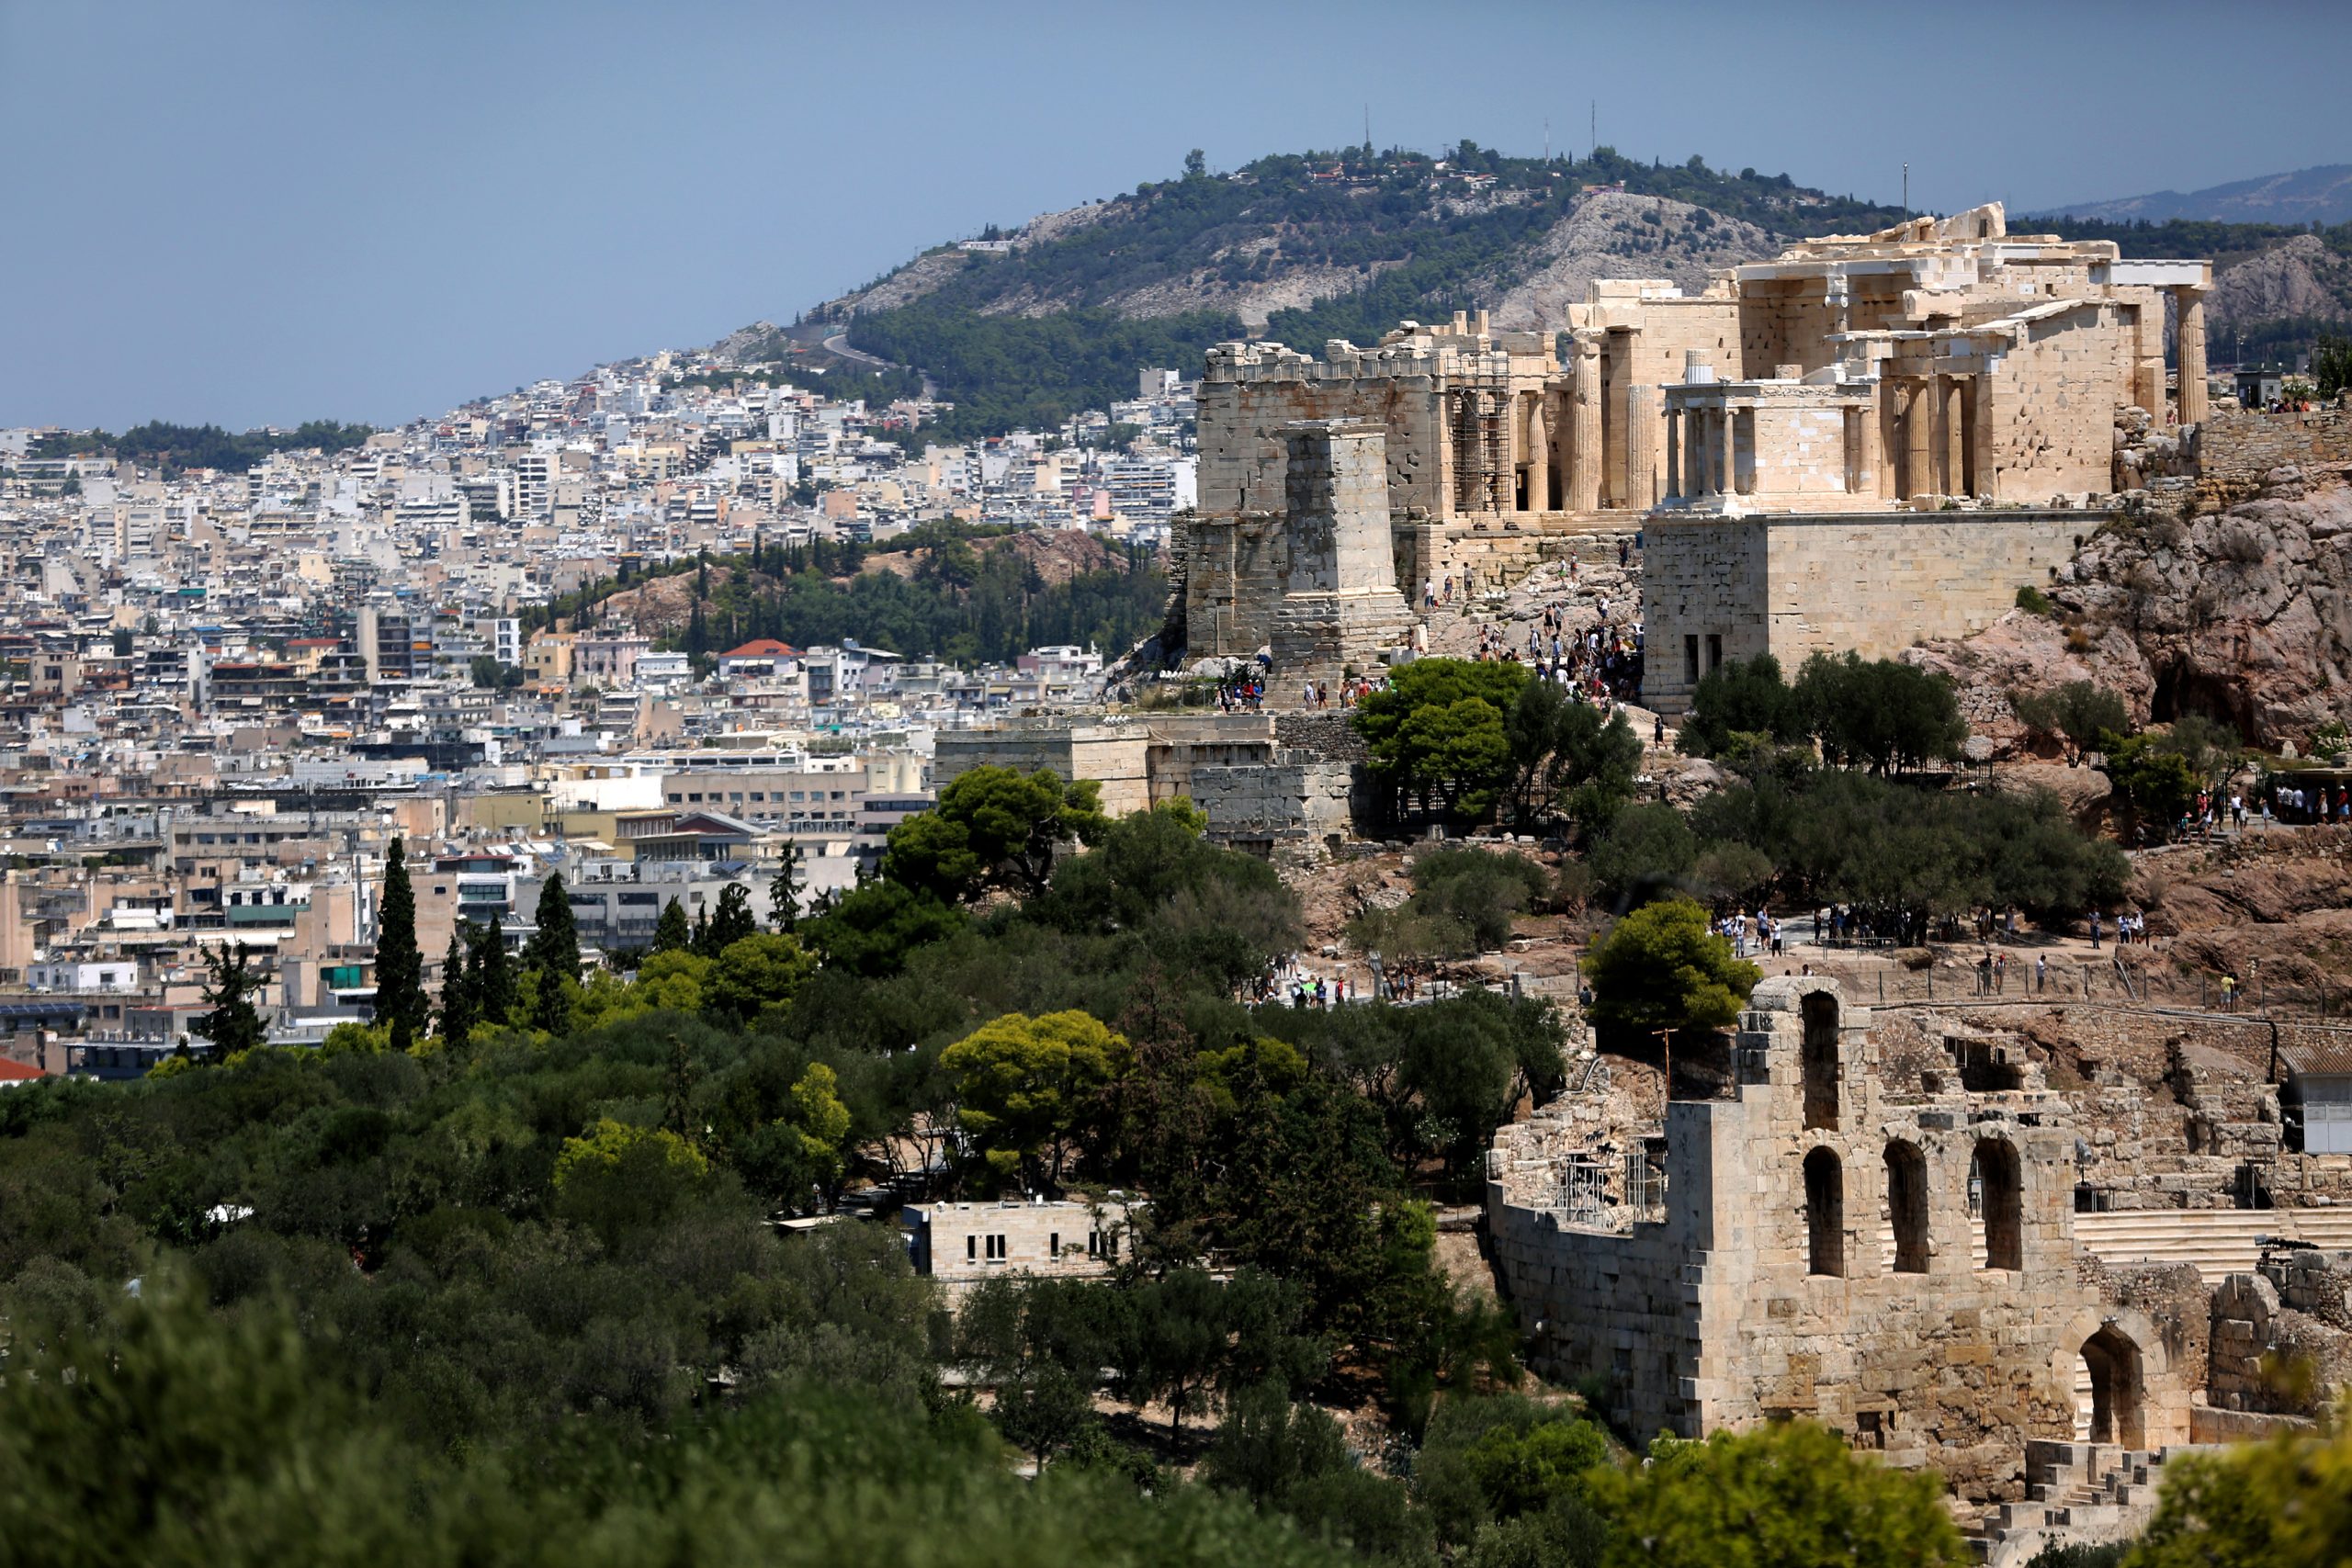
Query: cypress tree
x,y
457,995
673,934
400,965
555,954
784,892
702,930
493,975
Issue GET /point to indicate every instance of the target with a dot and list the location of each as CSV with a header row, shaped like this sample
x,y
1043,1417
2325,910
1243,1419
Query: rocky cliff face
x,y
2243,616
2302,278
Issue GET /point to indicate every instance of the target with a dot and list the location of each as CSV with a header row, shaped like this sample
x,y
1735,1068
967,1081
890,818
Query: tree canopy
x,y
993,828
1661,968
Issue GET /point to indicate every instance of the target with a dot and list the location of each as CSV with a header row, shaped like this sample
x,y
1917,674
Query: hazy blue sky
x,y
273,212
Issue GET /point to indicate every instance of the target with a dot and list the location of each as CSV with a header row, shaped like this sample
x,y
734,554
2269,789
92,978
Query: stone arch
x,y
1818,1062
1824,1213
1997,1193
1906,1204
2116,1356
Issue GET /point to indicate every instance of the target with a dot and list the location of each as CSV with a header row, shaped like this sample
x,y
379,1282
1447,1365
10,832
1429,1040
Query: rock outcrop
x,y
2243,616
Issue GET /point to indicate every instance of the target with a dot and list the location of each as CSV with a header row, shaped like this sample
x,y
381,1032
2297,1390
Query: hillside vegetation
x,y
1301,248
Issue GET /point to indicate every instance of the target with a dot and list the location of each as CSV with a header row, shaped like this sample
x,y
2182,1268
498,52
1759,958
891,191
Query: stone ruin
x,y
1898,1226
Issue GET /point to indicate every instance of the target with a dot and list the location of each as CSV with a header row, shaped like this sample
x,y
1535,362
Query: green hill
x,y
1029,326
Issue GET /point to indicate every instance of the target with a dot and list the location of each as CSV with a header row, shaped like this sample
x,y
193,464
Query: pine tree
x,y
493,975
400,967
457,995
783,892
674,934
554,954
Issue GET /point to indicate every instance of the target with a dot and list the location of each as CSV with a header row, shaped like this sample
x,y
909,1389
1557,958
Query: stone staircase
x,y
2218,1241
2078,1493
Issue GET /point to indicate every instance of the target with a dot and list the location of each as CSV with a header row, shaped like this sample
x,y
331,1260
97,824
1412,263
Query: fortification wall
x,y
1875,584
2238,447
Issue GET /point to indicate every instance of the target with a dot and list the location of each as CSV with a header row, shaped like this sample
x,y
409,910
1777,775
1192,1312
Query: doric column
x,y
1499,469
1466,486
1726,468
2191,344
1584,427
1538,453
1953,450
1917,447
1673,452
1641,437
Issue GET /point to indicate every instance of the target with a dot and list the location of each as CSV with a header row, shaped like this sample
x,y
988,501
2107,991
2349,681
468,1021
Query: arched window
x,y
1824,1213
1819,1011
1996,1194
1907,1205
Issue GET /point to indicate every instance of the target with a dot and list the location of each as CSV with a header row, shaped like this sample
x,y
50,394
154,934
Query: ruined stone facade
x,y
1340,605
1939,366
1895,1259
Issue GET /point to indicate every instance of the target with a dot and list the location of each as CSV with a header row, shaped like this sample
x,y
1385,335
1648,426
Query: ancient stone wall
x,y
1818,1256
1875,584
1329,735
1341,611
1288,806
2238,447
2053,410
1112,755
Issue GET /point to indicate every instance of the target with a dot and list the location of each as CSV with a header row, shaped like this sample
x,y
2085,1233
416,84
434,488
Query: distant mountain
x,y
2321,195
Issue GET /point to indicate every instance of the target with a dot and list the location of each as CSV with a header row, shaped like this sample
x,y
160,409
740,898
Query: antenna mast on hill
x,y
1592,146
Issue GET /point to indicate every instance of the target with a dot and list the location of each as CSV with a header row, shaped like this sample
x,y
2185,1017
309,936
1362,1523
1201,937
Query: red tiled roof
x,y
759,647
18,1071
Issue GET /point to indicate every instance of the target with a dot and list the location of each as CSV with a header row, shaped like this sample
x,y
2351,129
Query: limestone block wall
x,y
1291,803
1777,1284
1242,410
1793,451
1874,583
2240,446
2052,425
1326,734
1113,756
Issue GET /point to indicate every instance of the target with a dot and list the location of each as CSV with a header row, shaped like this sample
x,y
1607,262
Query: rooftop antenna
x,y
1906,190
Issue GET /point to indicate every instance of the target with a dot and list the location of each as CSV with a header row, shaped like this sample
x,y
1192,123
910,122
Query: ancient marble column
x,y
1539,451
1954,449
1918,445
2191,346
1673,453
1584,428
1641,439
1499,471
